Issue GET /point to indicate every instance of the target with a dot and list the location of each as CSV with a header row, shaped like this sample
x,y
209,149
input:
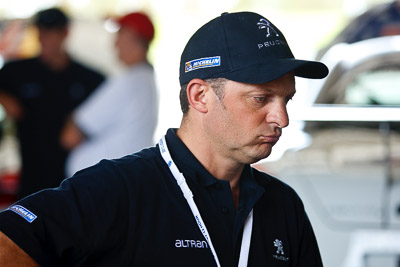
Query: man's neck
x,y
135,60
220,167
56,62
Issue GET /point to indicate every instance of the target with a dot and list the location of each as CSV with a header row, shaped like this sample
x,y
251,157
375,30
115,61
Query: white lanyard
x,y
180,179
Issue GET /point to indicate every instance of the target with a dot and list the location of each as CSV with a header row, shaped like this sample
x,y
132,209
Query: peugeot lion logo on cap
x,y
265,24
243,47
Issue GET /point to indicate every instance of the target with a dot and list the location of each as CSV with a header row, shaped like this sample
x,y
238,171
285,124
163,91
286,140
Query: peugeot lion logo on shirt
x,y
271,34
279,245
279,251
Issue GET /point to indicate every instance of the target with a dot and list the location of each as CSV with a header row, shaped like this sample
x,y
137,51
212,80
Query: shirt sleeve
x,y
59,227
6,80
309,254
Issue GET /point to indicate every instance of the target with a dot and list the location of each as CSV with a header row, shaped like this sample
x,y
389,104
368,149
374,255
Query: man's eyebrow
x,y
269,90
264,89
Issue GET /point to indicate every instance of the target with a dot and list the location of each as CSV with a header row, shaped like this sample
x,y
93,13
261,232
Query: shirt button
x,y
225,210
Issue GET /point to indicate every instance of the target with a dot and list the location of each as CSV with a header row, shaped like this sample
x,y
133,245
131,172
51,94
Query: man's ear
x,y
197,90
65,32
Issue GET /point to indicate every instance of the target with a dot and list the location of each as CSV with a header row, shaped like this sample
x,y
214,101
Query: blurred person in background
x,y
39,94
121,116
380,20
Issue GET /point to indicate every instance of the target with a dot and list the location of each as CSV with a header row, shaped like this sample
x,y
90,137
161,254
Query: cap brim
x,y
260,73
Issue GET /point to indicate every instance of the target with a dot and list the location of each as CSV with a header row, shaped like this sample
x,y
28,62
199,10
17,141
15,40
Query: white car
x,y
348,169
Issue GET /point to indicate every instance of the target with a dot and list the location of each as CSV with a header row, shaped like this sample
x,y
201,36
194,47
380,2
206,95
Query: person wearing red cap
x,y
121,116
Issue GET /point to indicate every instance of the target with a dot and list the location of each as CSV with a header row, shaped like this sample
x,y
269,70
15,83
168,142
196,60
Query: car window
x,y
379,87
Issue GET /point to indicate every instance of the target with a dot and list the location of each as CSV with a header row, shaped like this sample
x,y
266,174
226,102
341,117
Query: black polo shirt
x,y
131,212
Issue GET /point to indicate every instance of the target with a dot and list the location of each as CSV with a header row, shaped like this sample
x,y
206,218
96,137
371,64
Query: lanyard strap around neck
x,y
180,179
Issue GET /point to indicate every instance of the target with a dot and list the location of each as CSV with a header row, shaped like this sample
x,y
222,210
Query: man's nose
x,y
278,114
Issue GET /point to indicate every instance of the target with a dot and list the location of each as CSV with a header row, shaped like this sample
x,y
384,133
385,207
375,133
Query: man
x,y
121,116
39,94
193,200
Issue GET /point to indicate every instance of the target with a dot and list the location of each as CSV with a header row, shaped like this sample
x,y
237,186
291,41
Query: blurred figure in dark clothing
x,y
39,93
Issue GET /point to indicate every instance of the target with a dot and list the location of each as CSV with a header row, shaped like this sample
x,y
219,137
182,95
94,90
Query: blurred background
x,y
342,150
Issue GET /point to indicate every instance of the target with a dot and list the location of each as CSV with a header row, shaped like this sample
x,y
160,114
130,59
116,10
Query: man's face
x,y
130,46
51,40
247,122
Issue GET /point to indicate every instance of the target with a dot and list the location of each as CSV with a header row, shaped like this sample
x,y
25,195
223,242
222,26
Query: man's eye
x,y
260,99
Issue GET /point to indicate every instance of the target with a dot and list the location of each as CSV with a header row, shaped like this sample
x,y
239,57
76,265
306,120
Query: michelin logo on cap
x,y
206,62
23,212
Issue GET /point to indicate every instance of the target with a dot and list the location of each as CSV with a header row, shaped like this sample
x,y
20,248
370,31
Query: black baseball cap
x,y
243,47
51,18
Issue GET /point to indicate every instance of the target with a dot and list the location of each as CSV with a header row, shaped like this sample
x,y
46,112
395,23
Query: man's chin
x,y
260,156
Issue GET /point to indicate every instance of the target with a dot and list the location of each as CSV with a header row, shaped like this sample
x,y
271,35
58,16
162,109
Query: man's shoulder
x,y
142,162
18,63
140,172
17,71
143,159
82,68
140,70
273,184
